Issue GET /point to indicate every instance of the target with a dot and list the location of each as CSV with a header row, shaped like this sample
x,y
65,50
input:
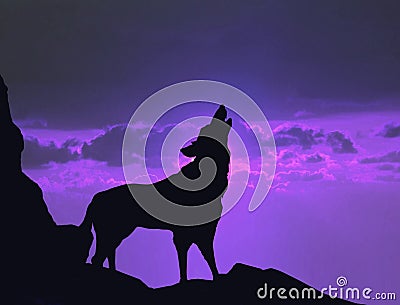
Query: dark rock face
x,y
11,135
98,286
26,224
32,244
240,286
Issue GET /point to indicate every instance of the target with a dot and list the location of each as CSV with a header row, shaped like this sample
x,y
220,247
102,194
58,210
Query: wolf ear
x,y
227,127
220,113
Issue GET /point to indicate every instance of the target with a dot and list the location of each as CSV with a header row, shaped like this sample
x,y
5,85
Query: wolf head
x,y
212,139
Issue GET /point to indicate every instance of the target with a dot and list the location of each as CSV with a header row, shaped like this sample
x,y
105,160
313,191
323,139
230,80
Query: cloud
x,y
388,178
391,157
32,123
81,176
286,155
315,158
390,130
303,114
386,167
306,137
286,135
291,159
304,175
36,154
340,143
106,147
293,167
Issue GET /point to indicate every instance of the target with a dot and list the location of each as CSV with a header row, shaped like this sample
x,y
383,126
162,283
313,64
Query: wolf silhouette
x,y
115,213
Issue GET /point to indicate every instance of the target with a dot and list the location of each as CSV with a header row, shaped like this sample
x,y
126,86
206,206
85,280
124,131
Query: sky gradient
x,y
325,74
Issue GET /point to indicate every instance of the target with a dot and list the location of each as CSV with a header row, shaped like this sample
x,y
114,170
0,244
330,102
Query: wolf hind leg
x,y
106,246
182,245
100,254
111,259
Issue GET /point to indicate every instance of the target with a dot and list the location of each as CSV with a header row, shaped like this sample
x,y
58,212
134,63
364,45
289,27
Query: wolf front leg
x,y
206,248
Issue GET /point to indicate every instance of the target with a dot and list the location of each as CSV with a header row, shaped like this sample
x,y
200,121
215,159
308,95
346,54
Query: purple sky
x,y
326,75
333,208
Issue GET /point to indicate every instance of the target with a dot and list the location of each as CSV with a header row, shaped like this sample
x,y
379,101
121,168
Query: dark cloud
x,y
297,135
388,178
340,143
391,157
306,137
315,158
36,155
390,130
286,155
106,147
386,167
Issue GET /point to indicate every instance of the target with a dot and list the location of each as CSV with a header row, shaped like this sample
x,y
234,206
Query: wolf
x,y
115,213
